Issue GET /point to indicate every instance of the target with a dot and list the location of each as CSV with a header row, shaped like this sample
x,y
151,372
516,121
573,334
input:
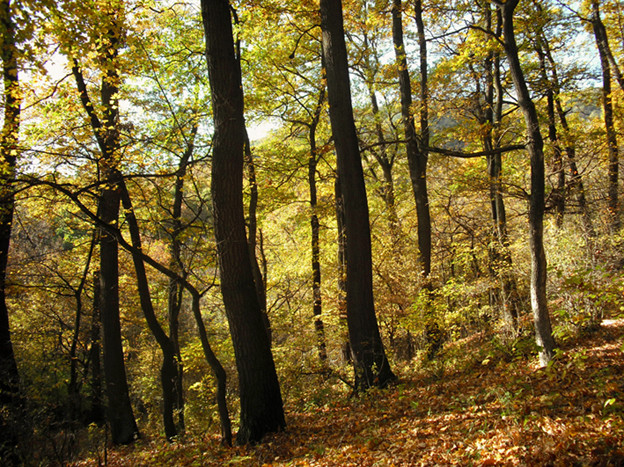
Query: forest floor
x,y
486,407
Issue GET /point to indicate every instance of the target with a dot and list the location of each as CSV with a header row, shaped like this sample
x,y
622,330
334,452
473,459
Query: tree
x,y
119,409
416,146
602,43
260,397
9,151
535,147
500,257
369,359
575,177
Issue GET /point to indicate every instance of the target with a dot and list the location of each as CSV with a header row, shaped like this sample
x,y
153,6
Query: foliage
x,y
479,400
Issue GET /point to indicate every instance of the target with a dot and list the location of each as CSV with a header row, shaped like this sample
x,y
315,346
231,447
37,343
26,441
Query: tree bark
x,y
252,234
9,150
261,401
119,409
417,153
73,387
602,43
370,362
96,414
535,145
342,269
416,147
171,367
558,193
576,179
505,294
317,304
174,304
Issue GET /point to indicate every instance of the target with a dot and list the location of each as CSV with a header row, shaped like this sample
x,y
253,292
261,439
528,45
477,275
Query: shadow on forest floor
x,y
495,412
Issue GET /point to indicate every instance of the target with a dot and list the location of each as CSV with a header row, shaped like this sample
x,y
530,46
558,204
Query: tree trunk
x,y
417,154
602,43
174,304
261,401
119,409
73,388
576,179
535,145
558,193
386,163
370,363
416,147
96,414
381,154
505,294
171,368
217,369
252,234
317,305
9,150
342,270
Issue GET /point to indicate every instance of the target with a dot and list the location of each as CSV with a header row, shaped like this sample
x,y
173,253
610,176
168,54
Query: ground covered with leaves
x,y
479,404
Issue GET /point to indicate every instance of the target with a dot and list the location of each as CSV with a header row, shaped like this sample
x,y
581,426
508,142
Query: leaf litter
x,y
501,413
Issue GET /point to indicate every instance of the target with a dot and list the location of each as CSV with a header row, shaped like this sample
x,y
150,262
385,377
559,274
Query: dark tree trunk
x,y
119,409
9,149
317,305
602,43
174,304
535,145
370,363
261,401
342,269
252,235
417,154
416,147
576,179
96,414
558,193
217,369
73,388
170,369
505,294
422,196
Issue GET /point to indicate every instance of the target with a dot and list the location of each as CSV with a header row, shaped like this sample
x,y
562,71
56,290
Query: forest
x,y
333,232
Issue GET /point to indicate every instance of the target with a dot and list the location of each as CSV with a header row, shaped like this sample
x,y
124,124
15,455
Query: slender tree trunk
x,y
505,294
370,363
576,179
417,154
602,43
261,401
170,370
317,305
342,268
535,145
73,388
97,407
252,235
10,397
386,163
174,304
119,409
416,147
217,370
558,193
